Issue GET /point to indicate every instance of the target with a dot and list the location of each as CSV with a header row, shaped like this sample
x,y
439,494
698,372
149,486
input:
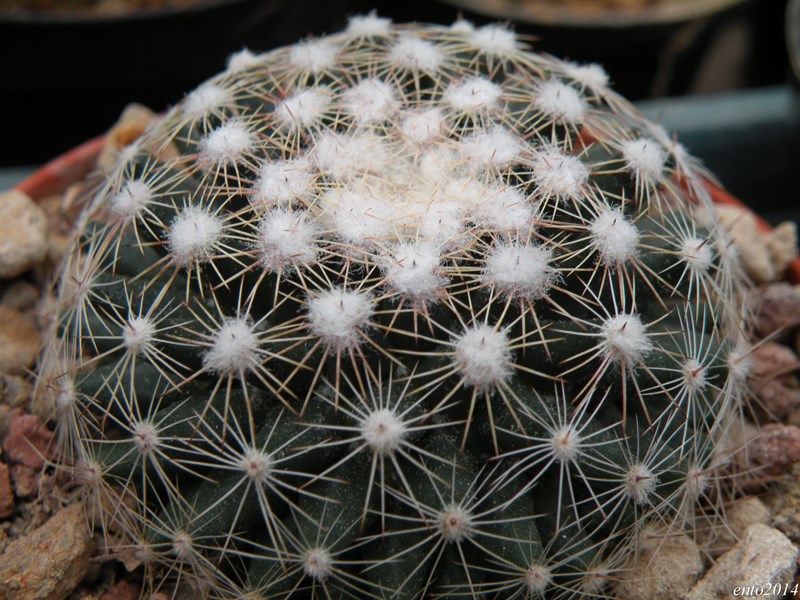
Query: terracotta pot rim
x,y
56,175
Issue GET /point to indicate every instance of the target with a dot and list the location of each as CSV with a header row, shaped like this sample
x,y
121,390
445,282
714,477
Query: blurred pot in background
x,y
650,48
69,67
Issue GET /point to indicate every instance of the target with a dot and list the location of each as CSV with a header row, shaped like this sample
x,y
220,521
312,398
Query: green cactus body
x,y
402,312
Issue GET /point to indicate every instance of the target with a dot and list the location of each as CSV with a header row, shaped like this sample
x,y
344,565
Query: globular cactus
x,y
402,312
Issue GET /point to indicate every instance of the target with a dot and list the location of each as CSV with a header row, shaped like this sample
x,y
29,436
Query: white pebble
x,y
23,234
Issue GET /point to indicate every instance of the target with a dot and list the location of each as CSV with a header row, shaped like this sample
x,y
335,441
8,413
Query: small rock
x,y
28,441
135,119
753,251
21,295
773,380
782,246
23,234
58,246
123,590
15,391
718,535
783,500
764,557
666,566
19,341
776,307
26,481
6,492
61,216
745,512
774,449
50,562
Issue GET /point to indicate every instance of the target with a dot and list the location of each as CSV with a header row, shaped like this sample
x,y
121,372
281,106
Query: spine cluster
x,y
402,312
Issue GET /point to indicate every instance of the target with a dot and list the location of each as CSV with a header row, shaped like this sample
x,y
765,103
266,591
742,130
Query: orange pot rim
x,y
56,175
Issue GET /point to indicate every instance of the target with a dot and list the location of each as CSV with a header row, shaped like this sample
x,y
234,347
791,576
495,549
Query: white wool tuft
x,y
347,156
435,163
128,154
193,234
455,524
505,209
257,465
561,102
146,438
415,54
67,394
495,40
592,75
646,159
138,335
697,254
129,202
462,26
206,100
234,348
227,144
314,56
413,269
357,218
383,431
614,236
640,483
242,60
496,148
423,126
694,376
470,193
595,581
697,483
624,337
558,175
739,362
284,182
517,269
537,578
683,160
371,101
304,109
339,316
442,223
473,95
183,546
287,236
566,444
483,356
318,564
369,25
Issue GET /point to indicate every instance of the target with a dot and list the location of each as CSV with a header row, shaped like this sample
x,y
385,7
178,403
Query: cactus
x,y
401,312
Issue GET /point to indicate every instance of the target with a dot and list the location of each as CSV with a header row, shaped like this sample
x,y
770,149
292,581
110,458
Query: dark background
x,y
722,82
